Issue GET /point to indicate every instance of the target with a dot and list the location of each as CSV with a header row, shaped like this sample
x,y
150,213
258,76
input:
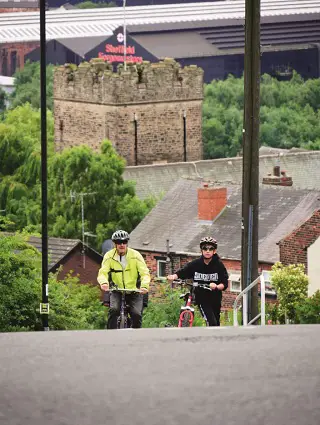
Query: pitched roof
x,y
155,180
96,22
177,45
176,218
82,45
59,248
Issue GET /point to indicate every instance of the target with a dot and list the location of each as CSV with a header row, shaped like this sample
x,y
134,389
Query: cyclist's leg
x,y
217,310
114,310
136,304
204,302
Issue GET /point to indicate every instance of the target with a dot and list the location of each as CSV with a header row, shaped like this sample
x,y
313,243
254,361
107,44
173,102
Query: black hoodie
x,y
204,273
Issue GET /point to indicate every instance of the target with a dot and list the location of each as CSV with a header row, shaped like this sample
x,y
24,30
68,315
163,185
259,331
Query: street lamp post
x,y
250,184
44,306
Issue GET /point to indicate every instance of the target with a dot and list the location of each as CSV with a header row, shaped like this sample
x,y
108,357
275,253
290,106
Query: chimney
x,y
279,178
211,201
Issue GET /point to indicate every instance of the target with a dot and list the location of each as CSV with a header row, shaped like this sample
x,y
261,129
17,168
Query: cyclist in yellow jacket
x,y
125,268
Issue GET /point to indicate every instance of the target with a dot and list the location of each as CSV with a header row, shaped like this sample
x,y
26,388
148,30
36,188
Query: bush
x,y
75,306
291,285
165,311
308,311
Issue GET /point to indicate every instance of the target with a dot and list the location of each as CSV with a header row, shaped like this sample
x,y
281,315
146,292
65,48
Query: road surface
x,y
226,376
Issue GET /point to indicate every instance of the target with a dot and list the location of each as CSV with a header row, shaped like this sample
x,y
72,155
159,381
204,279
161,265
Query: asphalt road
x,y
241,376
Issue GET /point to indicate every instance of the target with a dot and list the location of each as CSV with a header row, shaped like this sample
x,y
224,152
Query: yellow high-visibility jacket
x,y
112,271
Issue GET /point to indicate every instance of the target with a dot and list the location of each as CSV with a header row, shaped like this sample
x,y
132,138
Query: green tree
x,y
291,285
95,5
308,311
27,86
74,306
111,201
3,99
77,170
20,285
20,162
290,115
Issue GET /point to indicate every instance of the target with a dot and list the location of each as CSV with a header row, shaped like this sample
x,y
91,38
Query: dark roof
x,y
177,45
225,35
176,218
278,19
275,33
82,45
59,248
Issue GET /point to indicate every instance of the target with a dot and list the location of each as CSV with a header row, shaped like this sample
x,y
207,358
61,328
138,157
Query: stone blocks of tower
x,y
150,112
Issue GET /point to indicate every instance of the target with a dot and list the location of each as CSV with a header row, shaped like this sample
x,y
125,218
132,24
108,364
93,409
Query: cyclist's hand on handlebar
x,y
143,291
172,277
213,285
105,287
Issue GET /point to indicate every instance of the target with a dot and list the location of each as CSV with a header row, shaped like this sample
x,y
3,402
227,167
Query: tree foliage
x,y
3,99
308,311
165,310
72,306
27,86
290,115
75,306
95,5
291,285
20,285
111,202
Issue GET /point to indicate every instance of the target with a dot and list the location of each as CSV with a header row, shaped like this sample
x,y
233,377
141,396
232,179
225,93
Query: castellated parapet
x,y
150,112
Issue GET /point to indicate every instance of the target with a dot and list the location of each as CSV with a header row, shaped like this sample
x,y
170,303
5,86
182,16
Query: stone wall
x,y
140,110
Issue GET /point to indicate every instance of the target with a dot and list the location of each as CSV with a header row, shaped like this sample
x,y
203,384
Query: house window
x,y
161,268
268,282
235,282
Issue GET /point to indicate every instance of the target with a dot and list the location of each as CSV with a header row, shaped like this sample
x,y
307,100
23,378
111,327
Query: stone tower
x,y
150,112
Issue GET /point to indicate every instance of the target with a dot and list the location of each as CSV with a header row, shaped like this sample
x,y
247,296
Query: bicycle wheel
x,y
186,319
122,322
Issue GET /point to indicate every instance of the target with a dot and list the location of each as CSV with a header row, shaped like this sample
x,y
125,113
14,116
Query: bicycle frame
x,y
123,319
186,317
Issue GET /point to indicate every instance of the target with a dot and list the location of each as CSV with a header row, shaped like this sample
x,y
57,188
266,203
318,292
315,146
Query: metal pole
x,y
44,307
124,35
250,188
135,139
83,241
184,136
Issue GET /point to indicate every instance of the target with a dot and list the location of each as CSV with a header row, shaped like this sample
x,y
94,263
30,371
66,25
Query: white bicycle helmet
x,y
120,235
208,240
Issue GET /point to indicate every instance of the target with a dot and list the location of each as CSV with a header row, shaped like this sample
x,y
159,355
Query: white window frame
x,y
158,268
268,282
235,277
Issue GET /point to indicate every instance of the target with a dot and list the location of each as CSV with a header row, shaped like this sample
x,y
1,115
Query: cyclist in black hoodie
x,y
210,270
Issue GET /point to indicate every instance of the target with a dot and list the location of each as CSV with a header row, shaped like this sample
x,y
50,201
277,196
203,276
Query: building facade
x,y
151,114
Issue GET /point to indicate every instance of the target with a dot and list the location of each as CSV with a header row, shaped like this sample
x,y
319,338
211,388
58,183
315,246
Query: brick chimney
x,y
211,201
279,178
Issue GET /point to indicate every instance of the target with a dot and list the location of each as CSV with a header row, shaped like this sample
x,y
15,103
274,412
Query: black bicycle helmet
x,y
120,235
208,240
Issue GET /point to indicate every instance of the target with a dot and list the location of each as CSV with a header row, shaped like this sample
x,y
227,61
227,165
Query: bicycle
x,y
124,320
186,317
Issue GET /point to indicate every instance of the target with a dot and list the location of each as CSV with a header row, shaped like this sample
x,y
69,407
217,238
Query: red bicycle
x,y
186,317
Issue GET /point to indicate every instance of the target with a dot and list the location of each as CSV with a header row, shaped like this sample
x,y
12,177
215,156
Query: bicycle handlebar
x,y
123,290
194,284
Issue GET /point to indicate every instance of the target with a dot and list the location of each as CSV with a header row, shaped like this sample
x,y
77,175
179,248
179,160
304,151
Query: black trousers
x,y
209,304
135,302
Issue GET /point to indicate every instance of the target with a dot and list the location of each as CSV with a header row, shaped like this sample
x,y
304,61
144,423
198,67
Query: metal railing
x,y
244,294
